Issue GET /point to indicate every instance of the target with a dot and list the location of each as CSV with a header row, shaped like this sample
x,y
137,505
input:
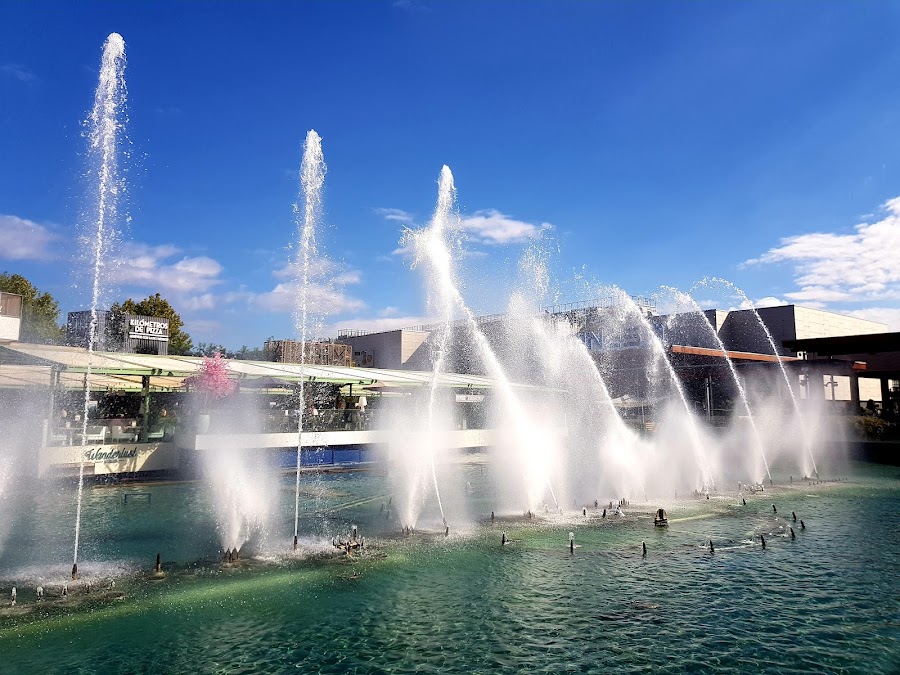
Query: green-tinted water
x,y
828,601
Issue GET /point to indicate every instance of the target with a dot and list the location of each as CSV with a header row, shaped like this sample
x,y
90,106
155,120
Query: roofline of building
x,y
869,343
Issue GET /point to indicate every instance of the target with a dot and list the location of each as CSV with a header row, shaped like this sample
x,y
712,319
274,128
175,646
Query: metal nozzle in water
x,y
763,540
158,564
295,542
644,548
75,572
712,549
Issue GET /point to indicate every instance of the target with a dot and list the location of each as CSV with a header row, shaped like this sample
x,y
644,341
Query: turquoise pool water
x,y
827,601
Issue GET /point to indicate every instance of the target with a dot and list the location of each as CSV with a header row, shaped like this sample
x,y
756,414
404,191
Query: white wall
x,y
9,327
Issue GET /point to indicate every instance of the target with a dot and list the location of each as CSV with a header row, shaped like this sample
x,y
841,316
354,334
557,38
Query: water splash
x,y
696,443
105,134
431,246
686,299
307,215
804,432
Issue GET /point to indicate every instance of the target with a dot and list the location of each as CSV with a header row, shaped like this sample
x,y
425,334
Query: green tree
x,y
40,312
155,305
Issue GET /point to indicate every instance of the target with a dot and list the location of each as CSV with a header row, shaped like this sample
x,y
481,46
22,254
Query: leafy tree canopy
x,y
179,342
40,313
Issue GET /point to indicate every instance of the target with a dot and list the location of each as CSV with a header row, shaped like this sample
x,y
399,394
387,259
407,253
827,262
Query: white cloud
x,y
322,299
201,330
24,239
325,289
886,315
151,267
397,215
18,72
383,323
769,301
199,302
855,267
489,226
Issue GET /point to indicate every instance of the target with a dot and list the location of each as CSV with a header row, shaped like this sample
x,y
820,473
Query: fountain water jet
x,y
431,246
312,180
787,380
685,298
105,124
656,343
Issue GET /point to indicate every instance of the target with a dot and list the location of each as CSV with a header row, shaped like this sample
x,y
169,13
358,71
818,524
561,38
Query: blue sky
x,y
645,143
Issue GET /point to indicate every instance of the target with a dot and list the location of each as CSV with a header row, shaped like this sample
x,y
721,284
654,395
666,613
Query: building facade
x,y
312,353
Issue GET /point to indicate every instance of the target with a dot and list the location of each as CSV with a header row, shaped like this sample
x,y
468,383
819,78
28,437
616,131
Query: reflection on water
x,y
825,602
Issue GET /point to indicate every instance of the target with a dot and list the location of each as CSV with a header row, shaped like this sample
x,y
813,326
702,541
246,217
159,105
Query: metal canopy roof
x,y
31,365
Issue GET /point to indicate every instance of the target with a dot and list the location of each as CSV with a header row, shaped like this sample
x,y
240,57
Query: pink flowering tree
x,y
212,382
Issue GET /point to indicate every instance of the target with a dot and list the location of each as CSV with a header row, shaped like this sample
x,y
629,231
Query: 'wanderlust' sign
x,y
112,455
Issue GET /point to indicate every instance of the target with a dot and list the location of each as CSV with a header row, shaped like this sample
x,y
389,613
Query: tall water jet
x,y
431,246
685,298
105,134
657,346
801,420
566,365
307,216
437,229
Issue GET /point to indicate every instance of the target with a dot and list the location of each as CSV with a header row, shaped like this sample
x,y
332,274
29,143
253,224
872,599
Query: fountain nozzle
x,y
75,572
158,564
295,542
644,548
712,549
571,542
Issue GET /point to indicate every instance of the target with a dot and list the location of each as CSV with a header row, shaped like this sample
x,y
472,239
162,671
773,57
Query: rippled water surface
x,y
828,601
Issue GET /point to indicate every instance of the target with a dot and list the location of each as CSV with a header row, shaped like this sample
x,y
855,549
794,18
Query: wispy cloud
x,y
487,226
768,301
167,110
397,215
383,323
18,72
886,315
326,289
24,239
322,299
860,266
155,267
490,226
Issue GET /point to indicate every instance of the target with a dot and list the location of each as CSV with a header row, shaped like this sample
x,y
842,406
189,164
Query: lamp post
x,y
833,384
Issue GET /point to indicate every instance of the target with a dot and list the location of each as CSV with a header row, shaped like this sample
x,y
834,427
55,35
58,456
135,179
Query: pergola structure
x,y
52,366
